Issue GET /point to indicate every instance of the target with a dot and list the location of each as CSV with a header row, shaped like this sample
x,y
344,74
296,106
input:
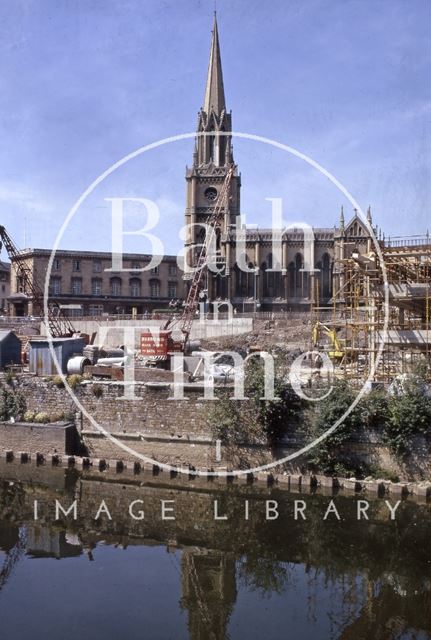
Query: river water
x,y
196,577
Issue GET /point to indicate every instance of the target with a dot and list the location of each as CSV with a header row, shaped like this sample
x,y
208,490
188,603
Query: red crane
x,y
214,222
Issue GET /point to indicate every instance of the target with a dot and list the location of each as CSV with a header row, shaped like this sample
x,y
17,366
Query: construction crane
x,y
13,557
58,324
214,222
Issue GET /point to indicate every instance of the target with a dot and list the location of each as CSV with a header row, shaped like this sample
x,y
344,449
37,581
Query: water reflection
x,y
211,580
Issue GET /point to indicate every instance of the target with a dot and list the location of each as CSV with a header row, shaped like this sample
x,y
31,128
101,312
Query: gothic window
x,y
299,265
326,276
211,147
271,279
220,286
245,285
291,271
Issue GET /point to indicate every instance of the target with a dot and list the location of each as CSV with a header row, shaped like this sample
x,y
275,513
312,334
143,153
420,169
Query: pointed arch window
x,y
271,279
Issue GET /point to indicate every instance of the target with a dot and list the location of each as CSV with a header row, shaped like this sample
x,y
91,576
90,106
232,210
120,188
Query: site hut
x,y
41,361
10,349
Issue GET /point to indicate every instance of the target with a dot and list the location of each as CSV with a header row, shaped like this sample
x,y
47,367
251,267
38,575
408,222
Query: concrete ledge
x,y
295,483
398,489
422,489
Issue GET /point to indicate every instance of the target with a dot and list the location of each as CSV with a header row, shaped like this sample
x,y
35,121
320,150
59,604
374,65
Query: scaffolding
x,y
363,300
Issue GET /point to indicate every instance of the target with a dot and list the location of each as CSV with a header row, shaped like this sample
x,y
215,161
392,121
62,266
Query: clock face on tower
x,y
211,194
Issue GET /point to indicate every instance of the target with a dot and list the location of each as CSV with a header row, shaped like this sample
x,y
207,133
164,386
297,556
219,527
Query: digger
x,y
337,353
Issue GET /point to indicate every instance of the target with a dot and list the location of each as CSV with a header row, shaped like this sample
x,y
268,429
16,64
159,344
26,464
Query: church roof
x,y
292,232
214,91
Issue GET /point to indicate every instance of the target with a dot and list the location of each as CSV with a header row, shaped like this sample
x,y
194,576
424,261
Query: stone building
x,y
82,282
4,286
261,280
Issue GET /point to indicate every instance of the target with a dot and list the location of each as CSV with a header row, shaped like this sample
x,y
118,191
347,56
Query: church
x,y
83,283
263,281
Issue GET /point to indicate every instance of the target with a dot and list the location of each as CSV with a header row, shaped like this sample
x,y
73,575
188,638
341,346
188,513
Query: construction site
x,y
379,323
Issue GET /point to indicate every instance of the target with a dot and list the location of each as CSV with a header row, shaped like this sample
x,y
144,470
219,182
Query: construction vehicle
x,y
197,284
191,305
59,325
337,353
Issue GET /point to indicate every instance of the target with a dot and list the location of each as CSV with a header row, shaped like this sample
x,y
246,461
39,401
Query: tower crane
x,y
58,324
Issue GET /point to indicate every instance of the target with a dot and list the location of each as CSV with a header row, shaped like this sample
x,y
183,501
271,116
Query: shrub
x,y
58,381
56,417
326,456
382,474
409,413
12,404
9,377
275,416
74,380
255,420
29,416
41,418
97,390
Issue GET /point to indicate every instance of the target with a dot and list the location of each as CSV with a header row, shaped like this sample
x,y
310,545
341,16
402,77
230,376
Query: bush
x,y
326,456
409,413
275,416
56,417
41,418
74,380
12,404
9,377
379,473
29,416
235,422
255,420
58,381
97,390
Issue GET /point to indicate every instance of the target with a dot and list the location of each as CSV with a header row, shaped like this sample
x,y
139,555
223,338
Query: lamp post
x,y
256,305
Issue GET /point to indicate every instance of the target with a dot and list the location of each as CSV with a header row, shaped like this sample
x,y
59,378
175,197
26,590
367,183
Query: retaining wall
x,y
177,432
200,330
49,438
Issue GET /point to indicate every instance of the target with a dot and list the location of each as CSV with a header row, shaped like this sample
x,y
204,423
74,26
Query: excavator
x,y
59,325
336,353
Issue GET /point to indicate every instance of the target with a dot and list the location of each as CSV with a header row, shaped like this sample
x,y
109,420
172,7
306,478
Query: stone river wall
x,y
170,430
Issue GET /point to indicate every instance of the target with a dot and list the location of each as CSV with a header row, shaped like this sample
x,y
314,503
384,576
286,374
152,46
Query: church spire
x,y
214,91
342,220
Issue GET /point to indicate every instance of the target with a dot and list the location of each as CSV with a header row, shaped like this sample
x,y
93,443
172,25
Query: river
x,y
155,563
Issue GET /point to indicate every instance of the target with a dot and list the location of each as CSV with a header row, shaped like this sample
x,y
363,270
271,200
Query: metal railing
x,y
408,241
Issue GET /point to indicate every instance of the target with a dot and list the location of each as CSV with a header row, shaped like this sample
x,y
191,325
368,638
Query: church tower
x,y
212,158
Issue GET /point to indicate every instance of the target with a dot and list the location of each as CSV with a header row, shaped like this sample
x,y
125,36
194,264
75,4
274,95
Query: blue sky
x,y
84,83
